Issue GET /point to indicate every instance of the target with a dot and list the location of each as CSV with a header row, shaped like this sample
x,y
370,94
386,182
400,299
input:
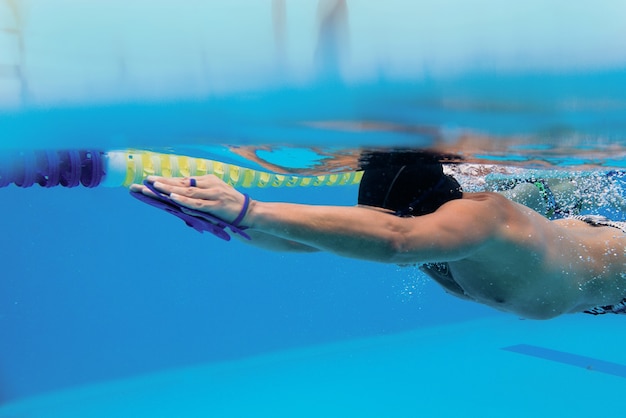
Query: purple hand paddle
x,y
198,220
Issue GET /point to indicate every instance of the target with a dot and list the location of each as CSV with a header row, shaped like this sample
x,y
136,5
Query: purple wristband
x,y
244,210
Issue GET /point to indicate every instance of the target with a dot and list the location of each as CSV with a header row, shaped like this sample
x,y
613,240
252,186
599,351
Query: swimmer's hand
x,y
210,195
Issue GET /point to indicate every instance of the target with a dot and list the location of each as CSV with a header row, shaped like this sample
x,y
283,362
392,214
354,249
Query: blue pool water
x,y
96,287
109,308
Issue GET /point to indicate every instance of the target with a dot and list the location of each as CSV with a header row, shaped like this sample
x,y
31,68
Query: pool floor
x,y
492,367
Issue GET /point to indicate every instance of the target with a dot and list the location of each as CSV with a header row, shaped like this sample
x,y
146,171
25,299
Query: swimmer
x,y
478,246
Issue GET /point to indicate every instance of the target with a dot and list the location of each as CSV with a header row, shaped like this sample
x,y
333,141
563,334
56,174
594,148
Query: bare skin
x,y
502,254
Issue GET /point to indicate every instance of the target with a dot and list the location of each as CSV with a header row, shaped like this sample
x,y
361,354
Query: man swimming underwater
x,y
478,246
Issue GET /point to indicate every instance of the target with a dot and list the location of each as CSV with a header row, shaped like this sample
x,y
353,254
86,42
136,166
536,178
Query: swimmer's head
x,y
412,189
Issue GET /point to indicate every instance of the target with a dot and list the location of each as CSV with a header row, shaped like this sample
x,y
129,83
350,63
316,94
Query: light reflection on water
x,y
496,124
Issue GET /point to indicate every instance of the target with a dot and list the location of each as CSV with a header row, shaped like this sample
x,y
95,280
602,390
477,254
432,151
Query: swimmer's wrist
x,y
249,218
260,215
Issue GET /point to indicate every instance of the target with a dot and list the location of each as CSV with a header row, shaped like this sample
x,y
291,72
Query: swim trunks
x,y
440,272
618,308
597,220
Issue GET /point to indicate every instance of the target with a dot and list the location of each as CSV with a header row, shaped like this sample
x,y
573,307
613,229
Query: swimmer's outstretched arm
x,y
363,233
354,232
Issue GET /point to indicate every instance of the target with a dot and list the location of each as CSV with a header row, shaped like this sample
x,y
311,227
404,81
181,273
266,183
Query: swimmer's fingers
x,y
201,182
137,188
168,185
140,188
171,181
209,194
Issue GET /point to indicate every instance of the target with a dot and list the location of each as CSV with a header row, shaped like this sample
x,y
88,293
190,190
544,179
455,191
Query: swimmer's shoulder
x,y
481,205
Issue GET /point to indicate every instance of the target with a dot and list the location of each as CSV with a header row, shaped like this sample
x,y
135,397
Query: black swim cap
x,y
409,190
